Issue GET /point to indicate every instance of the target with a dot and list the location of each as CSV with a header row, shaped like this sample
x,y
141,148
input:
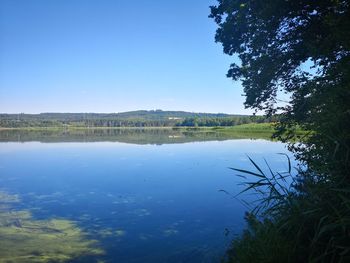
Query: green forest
x,y
156,118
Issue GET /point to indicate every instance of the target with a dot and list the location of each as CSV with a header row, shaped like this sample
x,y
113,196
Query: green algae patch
x,y
109,232
24,239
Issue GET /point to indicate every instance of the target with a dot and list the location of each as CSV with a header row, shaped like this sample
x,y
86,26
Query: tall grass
x,y
300,218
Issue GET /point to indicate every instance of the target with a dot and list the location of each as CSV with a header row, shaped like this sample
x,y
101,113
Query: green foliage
x,y
306,221
277,42
300,48
156,118
255,127
260,242
224,121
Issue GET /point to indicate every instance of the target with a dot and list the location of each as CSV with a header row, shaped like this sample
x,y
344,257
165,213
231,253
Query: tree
x,y
300,48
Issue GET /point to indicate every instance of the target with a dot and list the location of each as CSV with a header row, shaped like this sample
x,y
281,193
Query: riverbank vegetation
x,y
143,119
300,49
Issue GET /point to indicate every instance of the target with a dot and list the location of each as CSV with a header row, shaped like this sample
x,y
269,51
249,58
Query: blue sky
x,y
112,56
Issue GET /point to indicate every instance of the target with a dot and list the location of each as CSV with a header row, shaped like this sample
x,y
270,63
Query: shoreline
x,y
253,127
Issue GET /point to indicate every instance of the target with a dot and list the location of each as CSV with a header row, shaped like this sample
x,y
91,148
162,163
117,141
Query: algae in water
x,y
24,239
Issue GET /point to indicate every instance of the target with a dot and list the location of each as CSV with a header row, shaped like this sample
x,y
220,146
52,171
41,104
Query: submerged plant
x,y
24,239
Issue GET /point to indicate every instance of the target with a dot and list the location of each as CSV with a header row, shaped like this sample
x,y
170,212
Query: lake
x,y
124,195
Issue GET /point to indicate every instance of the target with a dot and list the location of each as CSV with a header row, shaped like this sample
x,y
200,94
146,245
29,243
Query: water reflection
x,y
127,135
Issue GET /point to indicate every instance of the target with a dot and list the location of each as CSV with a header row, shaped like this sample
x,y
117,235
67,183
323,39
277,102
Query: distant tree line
x,y
87,123
224,121
127,119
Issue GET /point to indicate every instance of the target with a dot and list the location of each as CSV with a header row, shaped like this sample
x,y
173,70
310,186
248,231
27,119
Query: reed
x,y
298,218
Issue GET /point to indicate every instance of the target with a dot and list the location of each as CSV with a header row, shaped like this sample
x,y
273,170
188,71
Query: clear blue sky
x,y
112,56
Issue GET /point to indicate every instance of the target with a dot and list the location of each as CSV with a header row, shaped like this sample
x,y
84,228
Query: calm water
x,y
140,202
